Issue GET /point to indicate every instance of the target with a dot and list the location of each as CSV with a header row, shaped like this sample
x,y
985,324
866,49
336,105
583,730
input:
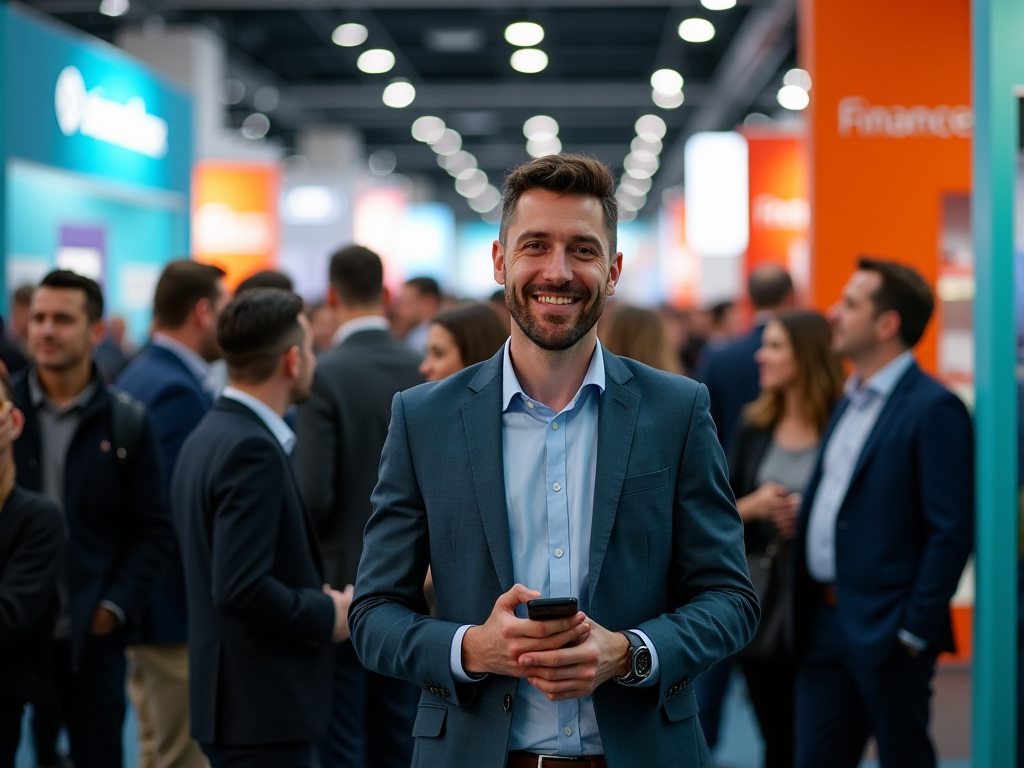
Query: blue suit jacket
x,y
666,557
731,376
177,403
906,526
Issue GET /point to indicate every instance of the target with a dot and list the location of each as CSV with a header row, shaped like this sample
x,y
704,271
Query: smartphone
x,y
552,608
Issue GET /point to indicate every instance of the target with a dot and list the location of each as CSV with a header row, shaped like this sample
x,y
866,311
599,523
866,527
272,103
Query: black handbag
x,y
769,568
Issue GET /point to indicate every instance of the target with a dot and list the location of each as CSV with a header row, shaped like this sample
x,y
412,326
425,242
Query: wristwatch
x,y
640,660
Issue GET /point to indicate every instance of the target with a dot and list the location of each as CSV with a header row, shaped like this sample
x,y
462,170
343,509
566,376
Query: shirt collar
x,y
38,394
281,431
885,379
366,323
510,384
199,367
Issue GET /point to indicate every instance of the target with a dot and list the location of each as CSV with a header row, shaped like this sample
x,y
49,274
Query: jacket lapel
x,y
884,424
617,414
481,415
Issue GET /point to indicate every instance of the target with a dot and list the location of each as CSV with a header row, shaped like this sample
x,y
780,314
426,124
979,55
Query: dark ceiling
x,y
601,53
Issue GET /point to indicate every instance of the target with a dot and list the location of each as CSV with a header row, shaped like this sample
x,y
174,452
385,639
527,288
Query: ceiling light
x,y
651,127
232,92
642,162
793,97
349,35
543,148
667,100
640,143
696,30
627,203
667,81
540,128
798,77
457,163
376,61
382,162
266,98
524,34
399,94
642,173
256,126
471,183
626,216
449,143
428,128
636,199
114,7
487,200
718,5
530,61
637,186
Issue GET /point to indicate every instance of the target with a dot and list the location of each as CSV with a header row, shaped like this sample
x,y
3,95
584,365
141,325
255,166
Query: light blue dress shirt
x,y
199,367
277,426
867,399
550,468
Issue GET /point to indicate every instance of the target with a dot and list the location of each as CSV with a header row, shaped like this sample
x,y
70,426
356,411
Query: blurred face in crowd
x,y
443,356
776,361
325,325
410,308
208,313
857,328
60,334
304,364
12,421
556,267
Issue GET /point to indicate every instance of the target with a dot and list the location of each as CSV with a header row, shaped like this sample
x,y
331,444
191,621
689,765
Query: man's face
x,y
855,324
556,267
209,348
302,389
60,333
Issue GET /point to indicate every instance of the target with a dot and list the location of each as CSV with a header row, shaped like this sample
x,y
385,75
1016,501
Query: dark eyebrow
x,y
588,239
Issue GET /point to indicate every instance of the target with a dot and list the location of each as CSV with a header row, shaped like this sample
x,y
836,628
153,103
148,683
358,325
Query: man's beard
x,y
562,336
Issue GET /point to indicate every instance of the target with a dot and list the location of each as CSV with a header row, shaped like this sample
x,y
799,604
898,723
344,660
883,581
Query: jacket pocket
x,y
429,721
645,482
681,707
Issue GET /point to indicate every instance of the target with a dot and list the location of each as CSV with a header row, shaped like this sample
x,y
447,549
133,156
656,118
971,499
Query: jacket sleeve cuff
x,y
455,658
115,609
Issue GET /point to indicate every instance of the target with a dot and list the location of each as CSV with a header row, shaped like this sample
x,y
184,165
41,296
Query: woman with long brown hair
x,y
639,334
770,464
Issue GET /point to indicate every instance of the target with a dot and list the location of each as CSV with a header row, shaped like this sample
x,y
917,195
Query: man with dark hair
x,y
260,619
175,380
93,451
413,309
21,302
341,434
267,278
883,535
554,470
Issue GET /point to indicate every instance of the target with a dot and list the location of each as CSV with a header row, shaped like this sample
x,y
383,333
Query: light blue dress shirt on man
x,y
550,467
277,426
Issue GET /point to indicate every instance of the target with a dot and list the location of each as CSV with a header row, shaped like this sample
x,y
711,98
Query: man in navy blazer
x,y
554,470
174,379
883,536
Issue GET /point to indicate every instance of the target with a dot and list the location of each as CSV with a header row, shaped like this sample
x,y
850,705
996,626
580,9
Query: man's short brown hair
x,y
256,329
563,175
182,284
903,291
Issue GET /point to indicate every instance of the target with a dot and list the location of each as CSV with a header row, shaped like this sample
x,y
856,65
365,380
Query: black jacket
x,y
341,433
731,376
31,546
746,452
259,626
119,529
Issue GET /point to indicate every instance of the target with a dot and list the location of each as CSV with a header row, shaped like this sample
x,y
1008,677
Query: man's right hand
x,y
496,646
342,600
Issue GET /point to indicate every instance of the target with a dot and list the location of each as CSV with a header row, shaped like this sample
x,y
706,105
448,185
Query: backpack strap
x,y
128,418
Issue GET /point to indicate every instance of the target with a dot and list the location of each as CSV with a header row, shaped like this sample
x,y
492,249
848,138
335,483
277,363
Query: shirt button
x,y
557,486
568,731
559,553
555,425
529,404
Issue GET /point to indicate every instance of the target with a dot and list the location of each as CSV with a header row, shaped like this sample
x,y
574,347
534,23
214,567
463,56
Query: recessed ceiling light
x,y
487,200
524,34
650,127
667,100
399,94
471,182
696,30
718,5
543,148
640,165
798,77
428,128
449,143
376,61
266,98
637,186
382,162
349,35
114,7
647,145
529,60
256,126
458,163
540,128
667,81
793,97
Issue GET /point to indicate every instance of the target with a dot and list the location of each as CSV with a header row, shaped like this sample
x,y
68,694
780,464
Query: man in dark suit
x,y
554,470
341,432
112,497
261,620
884,533
173,377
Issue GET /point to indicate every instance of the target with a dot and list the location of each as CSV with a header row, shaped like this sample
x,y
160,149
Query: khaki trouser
x,y
158,687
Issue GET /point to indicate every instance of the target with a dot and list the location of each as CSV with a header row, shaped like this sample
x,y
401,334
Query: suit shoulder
x,y
452,390
648,378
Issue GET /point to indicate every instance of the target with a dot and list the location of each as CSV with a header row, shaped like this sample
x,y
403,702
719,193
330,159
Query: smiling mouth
x,y
556,300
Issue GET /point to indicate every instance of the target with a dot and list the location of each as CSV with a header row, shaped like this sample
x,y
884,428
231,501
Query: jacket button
x,y
686,682
507,703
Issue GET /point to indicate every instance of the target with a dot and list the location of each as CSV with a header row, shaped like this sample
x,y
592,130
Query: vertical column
x,y
998,64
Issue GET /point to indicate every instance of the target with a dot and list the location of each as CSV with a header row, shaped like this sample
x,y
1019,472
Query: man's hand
x,y
497,645
568,673
104,621
784,515
342,600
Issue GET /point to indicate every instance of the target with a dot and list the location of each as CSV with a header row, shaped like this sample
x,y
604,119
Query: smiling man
x,y
554,470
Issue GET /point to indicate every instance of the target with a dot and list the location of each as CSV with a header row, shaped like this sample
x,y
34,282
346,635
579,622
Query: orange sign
x,y
890,127
234,217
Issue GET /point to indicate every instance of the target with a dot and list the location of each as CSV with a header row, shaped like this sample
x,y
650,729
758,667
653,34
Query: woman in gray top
x,y
770,464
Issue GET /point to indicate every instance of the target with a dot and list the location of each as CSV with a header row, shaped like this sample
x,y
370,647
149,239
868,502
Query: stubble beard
x,y
565,335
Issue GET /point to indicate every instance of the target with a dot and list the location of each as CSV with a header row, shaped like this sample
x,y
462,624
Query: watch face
x,y
642,663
